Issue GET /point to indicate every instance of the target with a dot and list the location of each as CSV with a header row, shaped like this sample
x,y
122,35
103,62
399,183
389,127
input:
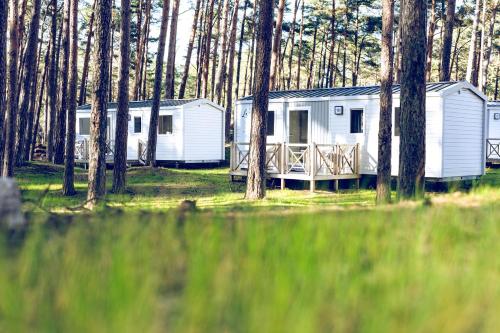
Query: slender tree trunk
x,y
229,90
355,55
52,88
155,107
29,74
201,48
111,54
43,83
311,62
344,56
385,122
430,40
98,115
221,69
185,75
170,77
121,135
60,137
488,44
208,43
69,158
11,114
3,76
215,53
301,41
277,44
397,57
240,50
496,84
447,41
332,47
256,180
85,70
252,56
472,58
412,140
454,55
139,49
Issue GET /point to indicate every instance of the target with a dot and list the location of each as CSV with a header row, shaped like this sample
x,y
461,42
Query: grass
x,y
297,262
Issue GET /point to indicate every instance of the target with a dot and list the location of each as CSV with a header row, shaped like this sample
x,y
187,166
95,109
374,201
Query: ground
x,y
296,262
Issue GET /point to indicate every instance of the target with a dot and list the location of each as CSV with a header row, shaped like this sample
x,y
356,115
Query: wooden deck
x,y
309,162
493,151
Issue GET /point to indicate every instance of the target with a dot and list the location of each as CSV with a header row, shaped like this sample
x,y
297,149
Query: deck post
x,y
312,184
357,184
283,159
336,185
282,183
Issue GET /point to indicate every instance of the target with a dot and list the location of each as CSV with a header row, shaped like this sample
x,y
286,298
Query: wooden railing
x,y
142,152
82,150
311,160
493,149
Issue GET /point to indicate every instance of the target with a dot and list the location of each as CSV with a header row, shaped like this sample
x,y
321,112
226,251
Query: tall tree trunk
x,y
85,70
200,50
385,122
454,55
111,54
121,134
11,114
221,69
170,77
332,47
139,49
155,107
277,44
496,84
185,75
447,41
488,43
412,140
208,43
27,81
3,76
141,60
355,55
43,83
240,50
472,58
344,56
252,56
60,137
229,90
215,53
430,40
256,180
99,112
69,159
311,62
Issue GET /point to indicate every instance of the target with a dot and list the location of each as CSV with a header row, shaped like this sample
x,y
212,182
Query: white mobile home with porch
x,y
332,133
493,143
189,131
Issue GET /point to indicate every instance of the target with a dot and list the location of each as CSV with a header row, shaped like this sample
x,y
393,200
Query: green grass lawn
x,y
296,262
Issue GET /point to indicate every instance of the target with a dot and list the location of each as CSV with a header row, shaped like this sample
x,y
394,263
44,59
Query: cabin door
x,y
298,127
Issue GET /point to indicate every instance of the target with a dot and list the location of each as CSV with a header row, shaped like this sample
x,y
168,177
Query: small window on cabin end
x,y
165,125
397,121
137,124
270,123
84,126
357,121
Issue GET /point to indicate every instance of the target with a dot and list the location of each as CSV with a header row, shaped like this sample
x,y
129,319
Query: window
x,y
397,121
270,123
165,125
137,124
84,124
356,121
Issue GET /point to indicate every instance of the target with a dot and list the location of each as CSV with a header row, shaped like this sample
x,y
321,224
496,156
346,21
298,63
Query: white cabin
x,y
493,143
334,122
189,131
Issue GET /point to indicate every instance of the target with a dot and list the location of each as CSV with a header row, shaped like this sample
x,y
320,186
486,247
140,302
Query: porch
x,y
493,151
308,162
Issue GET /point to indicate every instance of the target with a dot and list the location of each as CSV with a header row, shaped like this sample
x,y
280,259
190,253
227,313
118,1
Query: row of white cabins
x,y
319,134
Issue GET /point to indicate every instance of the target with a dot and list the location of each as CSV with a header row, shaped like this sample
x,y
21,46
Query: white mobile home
x,y
333,133
493,143
189,131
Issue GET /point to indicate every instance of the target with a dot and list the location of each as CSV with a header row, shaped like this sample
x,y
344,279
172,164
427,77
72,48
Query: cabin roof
x,y
494,104
346,91
145,104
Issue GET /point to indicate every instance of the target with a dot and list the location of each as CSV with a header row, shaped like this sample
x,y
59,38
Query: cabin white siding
x,y
464,134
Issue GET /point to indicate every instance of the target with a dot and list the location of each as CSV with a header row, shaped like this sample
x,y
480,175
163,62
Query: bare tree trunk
x,y
252,56
454,55
496,84
170,77
311,62
488,43
430,40
60,137
412,140
229,90
385,122
208,41
215,52
344,56
52,88
472,59
111,54
397,57
3,76
43,83
447,41
11,114
240,50
277,44
155,107
332,48
200,50
256,180
185,75
139,49
69,159
98,115
29,74
83,84
141,60
221,69
121,134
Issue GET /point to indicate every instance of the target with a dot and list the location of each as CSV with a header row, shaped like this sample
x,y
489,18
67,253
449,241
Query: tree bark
x,y
27,81
215,57
121,135
301,41
311,62
472,69
412,140
185,75
447,41
385,122
170,77
11,114
488,44
221,69
155,107
277,44
208,41
43,83
85,70
142,40
430,40
3,76
69,158
240,50
332,47
98,115
256,180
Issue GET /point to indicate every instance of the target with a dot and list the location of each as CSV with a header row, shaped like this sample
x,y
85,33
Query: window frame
x,y
397,121
80,127
172,124
274,123
134,128
362,125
